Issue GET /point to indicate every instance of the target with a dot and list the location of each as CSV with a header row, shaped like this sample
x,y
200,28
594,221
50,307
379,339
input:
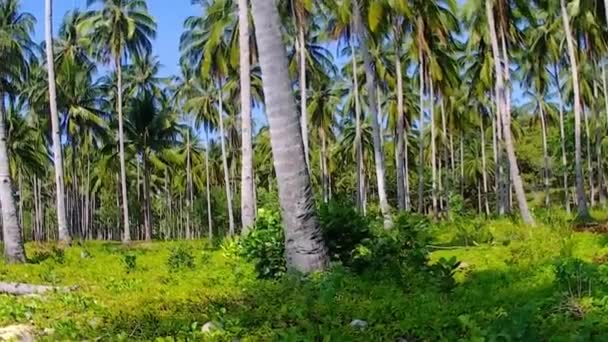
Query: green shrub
x,y
443,273
472,231
574,276
129,262
180,258
344,229
265,245
403,248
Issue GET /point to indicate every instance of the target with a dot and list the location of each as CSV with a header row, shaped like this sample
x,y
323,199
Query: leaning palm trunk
x,y
121,145
11,229
64,233
304,246
247,184
371,93
506,122
581,198
225,163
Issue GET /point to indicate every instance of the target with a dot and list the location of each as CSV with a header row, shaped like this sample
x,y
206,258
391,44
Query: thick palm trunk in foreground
x,y
304,245
581,198
247,185
11,229
372,105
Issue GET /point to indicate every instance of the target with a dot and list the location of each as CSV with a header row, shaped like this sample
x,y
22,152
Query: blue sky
x,y
169,15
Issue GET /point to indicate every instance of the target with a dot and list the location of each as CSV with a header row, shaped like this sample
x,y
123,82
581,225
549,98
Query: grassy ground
x,y
542,284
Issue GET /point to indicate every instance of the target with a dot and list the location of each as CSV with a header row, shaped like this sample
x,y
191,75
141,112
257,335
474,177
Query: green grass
x,y
507,288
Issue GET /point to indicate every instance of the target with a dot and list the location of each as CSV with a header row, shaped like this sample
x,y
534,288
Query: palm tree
x,y
305,248
64,232
121,28
505,116
15,46
581,198
205,45
247,182
371,82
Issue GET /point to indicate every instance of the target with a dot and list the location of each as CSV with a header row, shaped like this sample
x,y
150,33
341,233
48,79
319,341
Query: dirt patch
x,y
21,333
592,227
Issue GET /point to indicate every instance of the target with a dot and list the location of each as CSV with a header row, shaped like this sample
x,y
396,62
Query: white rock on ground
x,y
358,324
210,327
20,333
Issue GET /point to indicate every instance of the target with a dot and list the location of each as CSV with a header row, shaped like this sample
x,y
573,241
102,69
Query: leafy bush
x,y
129,262
403,248
344,229
264,245
472,231
443,272
180,258
574,276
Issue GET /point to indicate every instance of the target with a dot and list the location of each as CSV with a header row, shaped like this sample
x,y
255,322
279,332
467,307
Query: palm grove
x,y
490,106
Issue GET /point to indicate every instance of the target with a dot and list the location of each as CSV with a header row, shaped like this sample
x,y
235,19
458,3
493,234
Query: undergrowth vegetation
x,y
490,280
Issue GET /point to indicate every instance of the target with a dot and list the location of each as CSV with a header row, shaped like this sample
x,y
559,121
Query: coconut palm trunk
x,y
121,145
562,138
484,173
371,82
360,174
303,91
581,198
225,161
147,199
11,229
304,246
506,122
64,233
546,172
421,135
247,184
433,147
208,185
400,155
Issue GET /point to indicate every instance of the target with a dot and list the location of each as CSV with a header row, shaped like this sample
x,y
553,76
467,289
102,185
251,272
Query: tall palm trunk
x,y
370,75
506,122
11,229
484,173
247,183
303,91
400,155
581,198
304,246
433,147
121,145
225,162
64,233
562,138
546,172
360,176
190,200
147,199
421,135
588,155
208,185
